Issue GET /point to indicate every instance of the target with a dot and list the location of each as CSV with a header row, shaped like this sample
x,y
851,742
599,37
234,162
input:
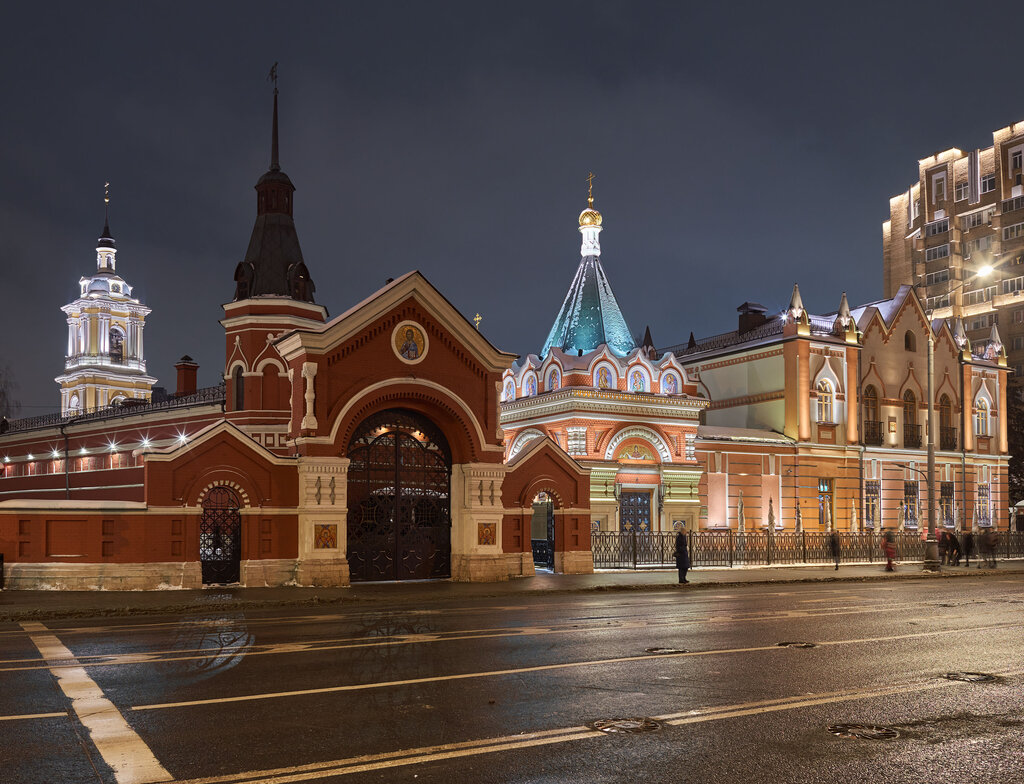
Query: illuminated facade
x,y
964,213
105,363
612,403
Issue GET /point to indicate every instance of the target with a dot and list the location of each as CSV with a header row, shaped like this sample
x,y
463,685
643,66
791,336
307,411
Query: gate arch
x,y
220,536
399,498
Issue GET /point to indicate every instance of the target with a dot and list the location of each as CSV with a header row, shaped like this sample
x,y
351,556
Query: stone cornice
x,y
572,400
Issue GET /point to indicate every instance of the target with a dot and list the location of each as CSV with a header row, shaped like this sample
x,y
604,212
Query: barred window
x,y
872,494
910,491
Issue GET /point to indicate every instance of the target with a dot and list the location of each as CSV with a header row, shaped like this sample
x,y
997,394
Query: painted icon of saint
x,y
603,378
410,349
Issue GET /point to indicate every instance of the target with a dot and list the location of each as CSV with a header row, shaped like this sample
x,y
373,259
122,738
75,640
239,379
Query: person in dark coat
x,y
833,547
968,548
953,549
682,555
943,547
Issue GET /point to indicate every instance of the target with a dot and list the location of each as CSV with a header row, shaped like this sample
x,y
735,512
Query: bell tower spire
x,y
273,264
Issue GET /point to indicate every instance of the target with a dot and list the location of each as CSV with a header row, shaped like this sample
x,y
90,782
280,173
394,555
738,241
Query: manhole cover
x,y
864,731
626,725
666,650
970,677
797,644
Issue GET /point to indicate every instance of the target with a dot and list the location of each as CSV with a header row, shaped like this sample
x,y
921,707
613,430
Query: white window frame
x,y
936,253
989,179
981,417
826,402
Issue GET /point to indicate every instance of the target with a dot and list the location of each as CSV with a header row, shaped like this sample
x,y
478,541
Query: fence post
x,y
768,533
803,544
730,548
633,543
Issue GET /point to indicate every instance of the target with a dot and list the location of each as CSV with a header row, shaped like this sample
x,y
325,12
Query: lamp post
x,y
931,545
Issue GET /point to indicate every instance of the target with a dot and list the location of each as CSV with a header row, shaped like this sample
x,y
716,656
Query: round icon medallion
x,y
409,342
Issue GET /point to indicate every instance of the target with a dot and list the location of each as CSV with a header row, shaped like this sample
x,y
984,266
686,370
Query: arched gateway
x,y
399,498
220,537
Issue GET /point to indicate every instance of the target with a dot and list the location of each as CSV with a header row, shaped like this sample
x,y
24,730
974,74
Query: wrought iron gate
x,y
220,537
399,499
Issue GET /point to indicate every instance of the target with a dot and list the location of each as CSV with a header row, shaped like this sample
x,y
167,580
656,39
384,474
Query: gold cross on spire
x,y
106,193
476,320
590,189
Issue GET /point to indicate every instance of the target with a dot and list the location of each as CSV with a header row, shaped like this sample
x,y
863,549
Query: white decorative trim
x,y
242,494
639,432
309,373
426,341
523,439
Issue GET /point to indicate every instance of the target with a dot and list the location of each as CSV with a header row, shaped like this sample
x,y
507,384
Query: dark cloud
x,y
738,148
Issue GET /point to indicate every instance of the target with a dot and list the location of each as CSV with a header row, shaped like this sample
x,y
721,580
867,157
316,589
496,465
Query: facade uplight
x,y
55,454
985,270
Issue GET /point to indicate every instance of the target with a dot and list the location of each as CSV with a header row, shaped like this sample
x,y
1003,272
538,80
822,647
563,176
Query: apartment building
x,y
957,233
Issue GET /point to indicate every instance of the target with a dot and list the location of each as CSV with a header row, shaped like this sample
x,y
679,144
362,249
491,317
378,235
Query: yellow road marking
x,y
33,716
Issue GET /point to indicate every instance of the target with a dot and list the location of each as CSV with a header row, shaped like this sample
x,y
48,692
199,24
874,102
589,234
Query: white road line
x,y
394,759
121,748
33,716
546,667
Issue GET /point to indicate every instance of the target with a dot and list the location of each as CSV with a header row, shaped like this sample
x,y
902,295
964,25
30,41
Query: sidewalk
x,y
42,605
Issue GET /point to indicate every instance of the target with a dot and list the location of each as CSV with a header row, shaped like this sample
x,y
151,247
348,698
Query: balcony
x,y
911,436
947,438
873,433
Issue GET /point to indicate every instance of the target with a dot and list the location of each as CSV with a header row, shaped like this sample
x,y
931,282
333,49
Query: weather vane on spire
x,y
106,207
590,189
272,76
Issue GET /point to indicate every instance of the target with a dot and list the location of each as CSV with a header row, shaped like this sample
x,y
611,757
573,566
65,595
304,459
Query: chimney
x,y
752,315
187,369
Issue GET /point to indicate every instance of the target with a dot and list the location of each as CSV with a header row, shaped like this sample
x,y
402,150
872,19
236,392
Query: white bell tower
x,y
105,364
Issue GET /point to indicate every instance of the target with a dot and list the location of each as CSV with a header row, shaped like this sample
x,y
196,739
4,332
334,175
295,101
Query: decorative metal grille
x,y
220,537
399,499
634,549
635,511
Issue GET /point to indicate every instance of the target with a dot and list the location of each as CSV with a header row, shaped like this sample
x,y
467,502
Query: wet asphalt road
x,y
503,689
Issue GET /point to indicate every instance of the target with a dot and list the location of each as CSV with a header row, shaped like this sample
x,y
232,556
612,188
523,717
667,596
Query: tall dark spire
x,y
106,241
273,264
274,165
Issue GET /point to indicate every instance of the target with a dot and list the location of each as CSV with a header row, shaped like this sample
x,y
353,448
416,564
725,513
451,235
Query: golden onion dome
x,y
590,217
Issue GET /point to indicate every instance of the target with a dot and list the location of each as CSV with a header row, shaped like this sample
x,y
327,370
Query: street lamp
x,y
931,545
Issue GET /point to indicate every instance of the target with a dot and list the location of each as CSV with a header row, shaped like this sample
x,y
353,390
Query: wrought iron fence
x,y
129,408
635,549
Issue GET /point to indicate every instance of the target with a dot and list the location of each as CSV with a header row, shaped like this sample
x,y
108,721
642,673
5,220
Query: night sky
x,y
737,149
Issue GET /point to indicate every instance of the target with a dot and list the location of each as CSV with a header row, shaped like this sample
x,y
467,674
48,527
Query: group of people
x,y
950,550
985,544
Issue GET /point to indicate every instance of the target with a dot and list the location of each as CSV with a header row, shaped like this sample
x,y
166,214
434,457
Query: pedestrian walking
x,y
968,548
991,544
943,546
889,548
953,549
833,546
682,555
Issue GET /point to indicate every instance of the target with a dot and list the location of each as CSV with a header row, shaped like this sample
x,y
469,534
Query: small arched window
x,y
981,417
826,401
909,341
239,385
116,345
